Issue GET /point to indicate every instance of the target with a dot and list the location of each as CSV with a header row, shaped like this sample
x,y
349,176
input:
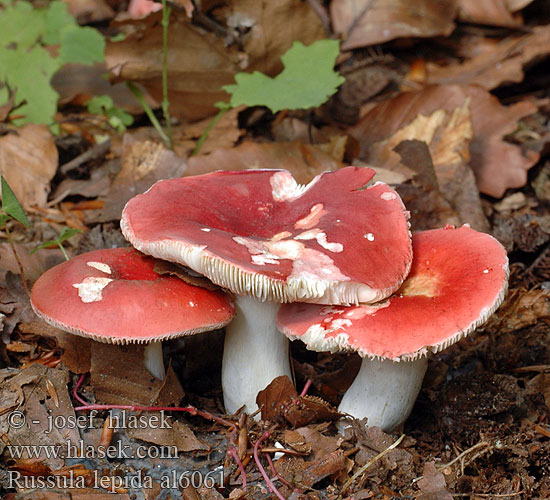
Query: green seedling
x,y
26,66
117,118
12,210
66,233
307,80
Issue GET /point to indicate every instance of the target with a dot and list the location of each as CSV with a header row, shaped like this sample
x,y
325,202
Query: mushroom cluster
x,y
267,239
329,263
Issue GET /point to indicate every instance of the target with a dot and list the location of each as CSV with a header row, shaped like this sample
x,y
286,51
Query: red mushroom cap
x,y
258,232
458,279
115,296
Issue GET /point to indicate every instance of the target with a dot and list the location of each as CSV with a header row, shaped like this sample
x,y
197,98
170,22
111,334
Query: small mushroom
x,y
115,296
457,280
270,240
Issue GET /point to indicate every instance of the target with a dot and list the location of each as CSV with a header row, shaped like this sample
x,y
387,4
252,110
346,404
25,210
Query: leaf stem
x,y
149,112
166,10
210,126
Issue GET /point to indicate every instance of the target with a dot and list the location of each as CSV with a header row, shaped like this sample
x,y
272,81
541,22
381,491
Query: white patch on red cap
x,y
100,266
312,219
206,229
281,236
285,188
369,236
321,237
90,289
388,196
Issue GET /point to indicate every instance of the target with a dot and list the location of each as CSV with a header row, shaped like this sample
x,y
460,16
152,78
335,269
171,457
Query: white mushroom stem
x,y
152,360
384,392
253,355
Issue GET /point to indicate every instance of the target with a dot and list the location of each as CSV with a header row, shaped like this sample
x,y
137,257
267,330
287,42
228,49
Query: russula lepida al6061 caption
x,y
268,239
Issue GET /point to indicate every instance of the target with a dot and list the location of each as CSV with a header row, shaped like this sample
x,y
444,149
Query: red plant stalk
x,y
268,481
235,457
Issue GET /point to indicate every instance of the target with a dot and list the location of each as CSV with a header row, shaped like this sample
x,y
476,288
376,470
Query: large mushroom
x,y
457,280
269,240
116,296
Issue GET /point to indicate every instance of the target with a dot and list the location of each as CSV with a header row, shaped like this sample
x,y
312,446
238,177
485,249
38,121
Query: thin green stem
x,y
204,135
166,10
149,112
60,245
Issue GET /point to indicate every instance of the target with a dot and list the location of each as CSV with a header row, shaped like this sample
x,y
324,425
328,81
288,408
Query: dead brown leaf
x,y
143,163
274,398
303,161
367,22
178,435
32,387
201,62
117,376
28,161
87,11
521,308
497,164
432,485
447,136
502,63
491,12
224,134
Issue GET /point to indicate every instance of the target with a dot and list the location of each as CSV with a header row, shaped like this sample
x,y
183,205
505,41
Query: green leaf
x,y
57,19
307,80
81,45
68,232
3,219
98,105
21,25
10,204
31,81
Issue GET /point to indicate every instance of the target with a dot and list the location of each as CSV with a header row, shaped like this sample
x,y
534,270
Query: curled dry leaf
x,y
201,62
143,164
492,12
501,63
303,161
497,164
28,161
117,376
366,22
432,485
448,136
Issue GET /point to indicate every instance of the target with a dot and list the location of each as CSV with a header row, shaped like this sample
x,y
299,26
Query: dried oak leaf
x,y
497,164
28,161
502,63
143,164
432,485
366,22
520,309
201,62
117,376
275,397
445,164
303,161
34,387
491,12
175,434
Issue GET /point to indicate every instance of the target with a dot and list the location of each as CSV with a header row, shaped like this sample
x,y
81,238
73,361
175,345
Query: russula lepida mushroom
x,y
115,296
457,280
269,240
